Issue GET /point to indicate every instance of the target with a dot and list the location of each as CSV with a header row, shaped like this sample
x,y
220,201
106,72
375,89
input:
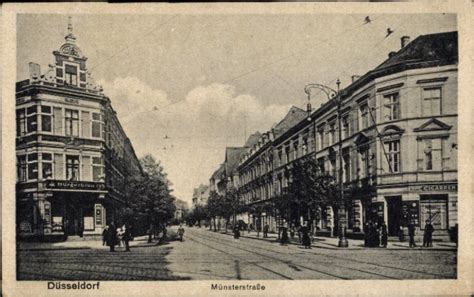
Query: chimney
x,y
391,54
35,71
405,40
355,77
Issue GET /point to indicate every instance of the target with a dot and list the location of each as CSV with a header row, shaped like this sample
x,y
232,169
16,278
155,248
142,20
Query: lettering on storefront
x,y
434,188
75,185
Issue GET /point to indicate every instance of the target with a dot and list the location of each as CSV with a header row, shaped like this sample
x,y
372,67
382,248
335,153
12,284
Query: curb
x,y
331,247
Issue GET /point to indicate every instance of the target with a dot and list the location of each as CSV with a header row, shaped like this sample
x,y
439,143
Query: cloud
x,y
199,126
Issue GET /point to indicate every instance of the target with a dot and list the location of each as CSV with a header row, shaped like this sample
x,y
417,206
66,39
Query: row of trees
x,y
149,204
308,194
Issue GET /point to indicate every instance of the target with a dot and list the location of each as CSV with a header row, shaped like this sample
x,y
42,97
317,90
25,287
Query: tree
x,y
149,196
214,206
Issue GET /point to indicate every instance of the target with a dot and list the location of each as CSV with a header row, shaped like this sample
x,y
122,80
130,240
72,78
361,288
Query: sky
x,y
187,86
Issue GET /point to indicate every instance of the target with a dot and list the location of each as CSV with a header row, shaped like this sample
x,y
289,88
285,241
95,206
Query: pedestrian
x,y
401,235
383,235
104,235
180,232
119,236
411,233
127,236
428,235
306,240
250,227
375,235
366,233
292,231
284,236
236,232
265,231
112,237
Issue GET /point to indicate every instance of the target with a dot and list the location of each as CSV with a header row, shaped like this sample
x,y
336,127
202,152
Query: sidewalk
x,y
354,244
83,243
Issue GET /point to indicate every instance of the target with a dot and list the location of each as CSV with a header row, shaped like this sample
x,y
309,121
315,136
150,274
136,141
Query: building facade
x,y
72,153
398,144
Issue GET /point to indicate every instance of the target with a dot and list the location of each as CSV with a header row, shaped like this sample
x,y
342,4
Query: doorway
x,y
73,220
394,211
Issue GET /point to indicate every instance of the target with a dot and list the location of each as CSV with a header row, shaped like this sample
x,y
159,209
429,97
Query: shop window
x,y
72,168
47,164
71,75
391,107
21,168
393,155
31,119
46,119
72,122
21,122
434,209
431,105
88,213
32,164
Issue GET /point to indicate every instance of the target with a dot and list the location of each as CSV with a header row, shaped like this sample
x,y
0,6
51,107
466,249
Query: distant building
x,y
200,195
72,153
181,209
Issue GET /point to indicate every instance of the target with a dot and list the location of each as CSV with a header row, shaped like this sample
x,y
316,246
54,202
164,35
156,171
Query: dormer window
x,y
71,75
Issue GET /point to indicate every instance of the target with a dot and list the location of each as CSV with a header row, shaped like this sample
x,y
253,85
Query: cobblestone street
x,y
206,255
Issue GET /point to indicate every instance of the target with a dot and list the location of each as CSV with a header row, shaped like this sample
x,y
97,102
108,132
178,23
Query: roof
x,y
293,117
253,139
442,47
218,173
232,158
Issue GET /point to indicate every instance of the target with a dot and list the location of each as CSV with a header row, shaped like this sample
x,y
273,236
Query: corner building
x,y
399,143
72,153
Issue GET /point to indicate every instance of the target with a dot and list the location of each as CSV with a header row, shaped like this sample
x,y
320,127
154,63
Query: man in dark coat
x,y
411,234
105,232
127,236
236,231
112,237
265,230
306,240
428,235
284,236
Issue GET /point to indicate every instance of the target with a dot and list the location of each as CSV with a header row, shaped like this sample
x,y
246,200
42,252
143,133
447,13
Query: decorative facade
x,y
72,153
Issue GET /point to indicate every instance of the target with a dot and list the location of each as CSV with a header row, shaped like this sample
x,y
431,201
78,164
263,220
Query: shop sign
x,y
75,185
411,212
434,188
98,214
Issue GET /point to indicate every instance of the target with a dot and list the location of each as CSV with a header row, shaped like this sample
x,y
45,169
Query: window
x,y
393,155
32,166
364,162
346,159
280,162
364,116
21,168
321,168
47,164
321,138
287,154
432,154
332,162
304,147
46,119
21,122
71,75
431,101
31,119
391,107
72,168
97,169
332,133
295,150
72,122
345,127
96,125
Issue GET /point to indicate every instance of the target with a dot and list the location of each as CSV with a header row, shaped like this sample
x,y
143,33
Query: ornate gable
x,y
432,125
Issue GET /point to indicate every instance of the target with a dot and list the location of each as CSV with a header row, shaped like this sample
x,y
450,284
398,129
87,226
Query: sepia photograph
x,y
236,147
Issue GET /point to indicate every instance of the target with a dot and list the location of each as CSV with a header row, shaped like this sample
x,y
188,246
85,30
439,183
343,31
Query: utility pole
x,y
342,207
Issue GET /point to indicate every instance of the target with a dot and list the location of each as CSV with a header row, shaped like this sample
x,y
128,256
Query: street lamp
x,y
330,93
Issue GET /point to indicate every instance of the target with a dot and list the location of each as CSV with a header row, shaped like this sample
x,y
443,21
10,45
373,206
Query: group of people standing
x,y
112,236
375,235
303,234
